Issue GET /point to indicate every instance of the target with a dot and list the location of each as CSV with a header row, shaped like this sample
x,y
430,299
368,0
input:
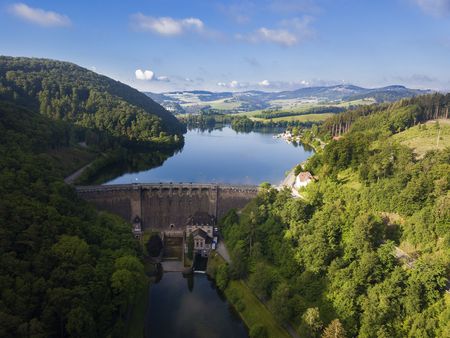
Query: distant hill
x,y
232,102
65,91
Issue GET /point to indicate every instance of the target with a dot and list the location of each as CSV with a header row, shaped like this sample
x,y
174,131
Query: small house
x,y
303,179
202,242
201,220
201,226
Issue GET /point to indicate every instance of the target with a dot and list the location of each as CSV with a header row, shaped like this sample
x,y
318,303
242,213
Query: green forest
x,y
65,91
366,251
65,268
238,123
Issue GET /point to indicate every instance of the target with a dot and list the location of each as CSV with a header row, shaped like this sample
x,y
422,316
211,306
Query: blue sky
x,y
162,45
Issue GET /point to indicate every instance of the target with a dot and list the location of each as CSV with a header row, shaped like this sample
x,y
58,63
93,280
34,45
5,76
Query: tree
x,y
311,319
334,330
261,280
80,323
127,280
190,245
71,250
239,262
280,303
154,245
258,331
222,276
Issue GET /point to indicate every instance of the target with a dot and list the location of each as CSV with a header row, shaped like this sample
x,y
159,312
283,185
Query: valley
x,y
225,169
380,185
301,101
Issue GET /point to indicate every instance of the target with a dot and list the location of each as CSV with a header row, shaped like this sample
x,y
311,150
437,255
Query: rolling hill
x,y
65,91
250,101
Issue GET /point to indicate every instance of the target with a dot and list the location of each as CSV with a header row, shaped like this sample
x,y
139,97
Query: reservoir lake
x,y
225,156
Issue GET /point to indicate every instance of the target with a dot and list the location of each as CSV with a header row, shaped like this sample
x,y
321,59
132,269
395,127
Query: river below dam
x,y
190,307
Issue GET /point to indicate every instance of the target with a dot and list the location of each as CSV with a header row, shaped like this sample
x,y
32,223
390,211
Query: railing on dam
x,y
144,186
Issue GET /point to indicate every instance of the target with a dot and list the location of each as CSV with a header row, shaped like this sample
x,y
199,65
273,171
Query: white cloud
x,y
264,83
162,78
289,33
167,26
148,75
144,75
280,36
233,84
434,7
39,16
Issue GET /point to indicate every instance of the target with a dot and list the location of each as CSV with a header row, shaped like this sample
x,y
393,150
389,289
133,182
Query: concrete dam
x,y
167,206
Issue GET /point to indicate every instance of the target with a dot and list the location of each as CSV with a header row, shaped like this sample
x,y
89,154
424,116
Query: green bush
x,y
258,331
240,306
222,277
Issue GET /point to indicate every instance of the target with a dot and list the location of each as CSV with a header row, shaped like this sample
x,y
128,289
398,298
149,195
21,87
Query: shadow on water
x,y
125,162
190,307
200,262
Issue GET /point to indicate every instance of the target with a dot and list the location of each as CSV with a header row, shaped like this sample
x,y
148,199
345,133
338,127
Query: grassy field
x,y
300,118
254,311
221,104
224,104
425,137
298,106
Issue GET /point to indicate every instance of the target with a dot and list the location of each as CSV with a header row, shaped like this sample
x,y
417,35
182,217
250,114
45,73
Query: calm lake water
x,y
190,308
225,156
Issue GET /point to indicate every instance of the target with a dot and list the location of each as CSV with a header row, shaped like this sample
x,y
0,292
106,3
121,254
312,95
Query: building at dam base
x,y
166,206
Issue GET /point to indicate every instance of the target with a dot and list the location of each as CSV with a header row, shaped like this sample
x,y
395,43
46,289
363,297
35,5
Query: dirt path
x,y
288,180
74,176
222,250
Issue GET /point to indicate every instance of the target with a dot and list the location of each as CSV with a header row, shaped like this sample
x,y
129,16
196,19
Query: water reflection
x,y
225,156
190,307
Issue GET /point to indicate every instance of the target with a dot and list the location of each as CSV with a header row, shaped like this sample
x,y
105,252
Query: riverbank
x,y
251,310
136,324
316,143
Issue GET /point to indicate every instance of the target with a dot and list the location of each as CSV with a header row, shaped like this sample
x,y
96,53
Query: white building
x,y
201,226
303,179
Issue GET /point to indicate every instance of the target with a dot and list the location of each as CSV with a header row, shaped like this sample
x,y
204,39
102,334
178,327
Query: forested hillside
x,y
366,251
401,114
65,269
65,91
